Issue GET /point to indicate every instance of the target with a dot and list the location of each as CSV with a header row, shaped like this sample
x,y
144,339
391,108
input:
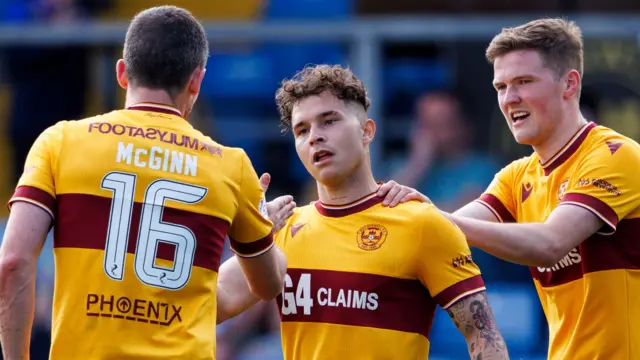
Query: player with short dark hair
x,y
140,203
162,47
363,280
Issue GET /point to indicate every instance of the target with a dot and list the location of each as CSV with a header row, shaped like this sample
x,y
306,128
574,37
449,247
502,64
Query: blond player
x,y
576,198
140,203
359,285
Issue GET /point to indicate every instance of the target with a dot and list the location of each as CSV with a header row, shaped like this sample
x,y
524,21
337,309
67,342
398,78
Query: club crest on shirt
x,y
371,237
562,189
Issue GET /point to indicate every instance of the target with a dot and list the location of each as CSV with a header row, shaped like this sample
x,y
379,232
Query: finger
x,y
278,203
283,200
289,214
285,208
384,189
392,193
285,213
289,207
265,180
404,191
277,226
414,195
406,198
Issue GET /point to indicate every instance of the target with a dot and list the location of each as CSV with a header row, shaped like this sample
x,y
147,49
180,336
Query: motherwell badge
x,y
371,237
562,189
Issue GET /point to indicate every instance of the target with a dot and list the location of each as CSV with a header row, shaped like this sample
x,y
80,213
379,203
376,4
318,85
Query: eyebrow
x,y
519,77
326,113
322,115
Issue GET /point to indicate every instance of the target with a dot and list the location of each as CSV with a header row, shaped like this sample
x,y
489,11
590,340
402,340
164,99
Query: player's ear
x,y
369,131
573,83
196,80
121,74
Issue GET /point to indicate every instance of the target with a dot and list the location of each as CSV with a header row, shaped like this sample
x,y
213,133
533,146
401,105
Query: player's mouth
x,y
519,116
322,156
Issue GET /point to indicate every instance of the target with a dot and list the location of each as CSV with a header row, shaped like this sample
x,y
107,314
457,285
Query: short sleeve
x,y
607,183
250,232
37,182
445,265
499,196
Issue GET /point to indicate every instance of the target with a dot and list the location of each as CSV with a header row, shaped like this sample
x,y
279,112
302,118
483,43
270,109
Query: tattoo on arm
x,y
473,317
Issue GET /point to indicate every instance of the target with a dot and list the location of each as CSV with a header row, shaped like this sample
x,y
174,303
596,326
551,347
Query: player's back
x,y
363,280
142,205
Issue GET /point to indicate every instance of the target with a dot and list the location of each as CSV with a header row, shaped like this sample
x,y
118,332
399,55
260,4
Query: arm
x,y
264,273
455,283
395,194
472,315
475,210
251,236
234,294
533,244
24,237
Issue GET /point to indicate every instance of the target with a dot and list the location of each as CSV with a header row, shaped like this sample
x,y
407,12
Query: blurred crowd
x,y
442,147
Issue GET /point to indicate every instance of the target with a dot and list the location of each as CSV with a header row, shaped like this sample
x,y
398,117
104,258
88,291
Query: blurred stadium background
x,y
422,60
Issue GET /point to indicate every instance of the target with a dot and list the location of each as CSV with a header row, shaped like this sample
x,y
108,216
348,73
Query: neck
x,y
357,186
564,131
144,95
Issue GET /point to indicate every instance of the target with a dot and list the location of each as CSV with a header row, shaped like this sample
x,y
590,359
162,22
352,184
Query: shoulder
x,y
520,165
607,145
87,125
55,133
302,213
428,226
301,216
418,215
514,170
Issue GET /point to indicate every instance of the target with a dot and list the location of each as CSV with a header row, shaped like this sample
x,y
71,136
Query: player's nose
x,y
316,136
511,96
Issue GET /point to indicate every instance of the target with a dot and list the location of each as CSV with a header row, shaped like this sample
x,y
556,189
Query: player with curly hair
x,y
363,280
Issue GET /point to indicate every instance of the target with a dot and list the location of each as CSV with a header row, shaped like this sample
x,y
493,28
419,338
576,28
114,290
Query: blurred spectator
x,y
48,83
441,165
440,162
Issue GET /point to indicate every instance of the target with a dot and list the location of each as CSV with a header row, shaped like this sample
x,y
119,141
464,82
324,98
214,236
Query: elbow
x,y
11,268
549,256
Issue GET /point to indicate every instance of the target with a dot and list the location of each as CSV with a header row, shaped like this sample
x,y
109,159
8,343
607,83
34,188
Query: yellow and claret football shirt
x,y
141,203
590,297
363,280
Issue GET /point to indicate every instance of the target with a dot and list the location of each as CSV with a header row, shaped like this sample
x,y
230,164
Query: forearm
x,y
233,302
486,347
525,244
472,315
17,303
282,264
233,293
